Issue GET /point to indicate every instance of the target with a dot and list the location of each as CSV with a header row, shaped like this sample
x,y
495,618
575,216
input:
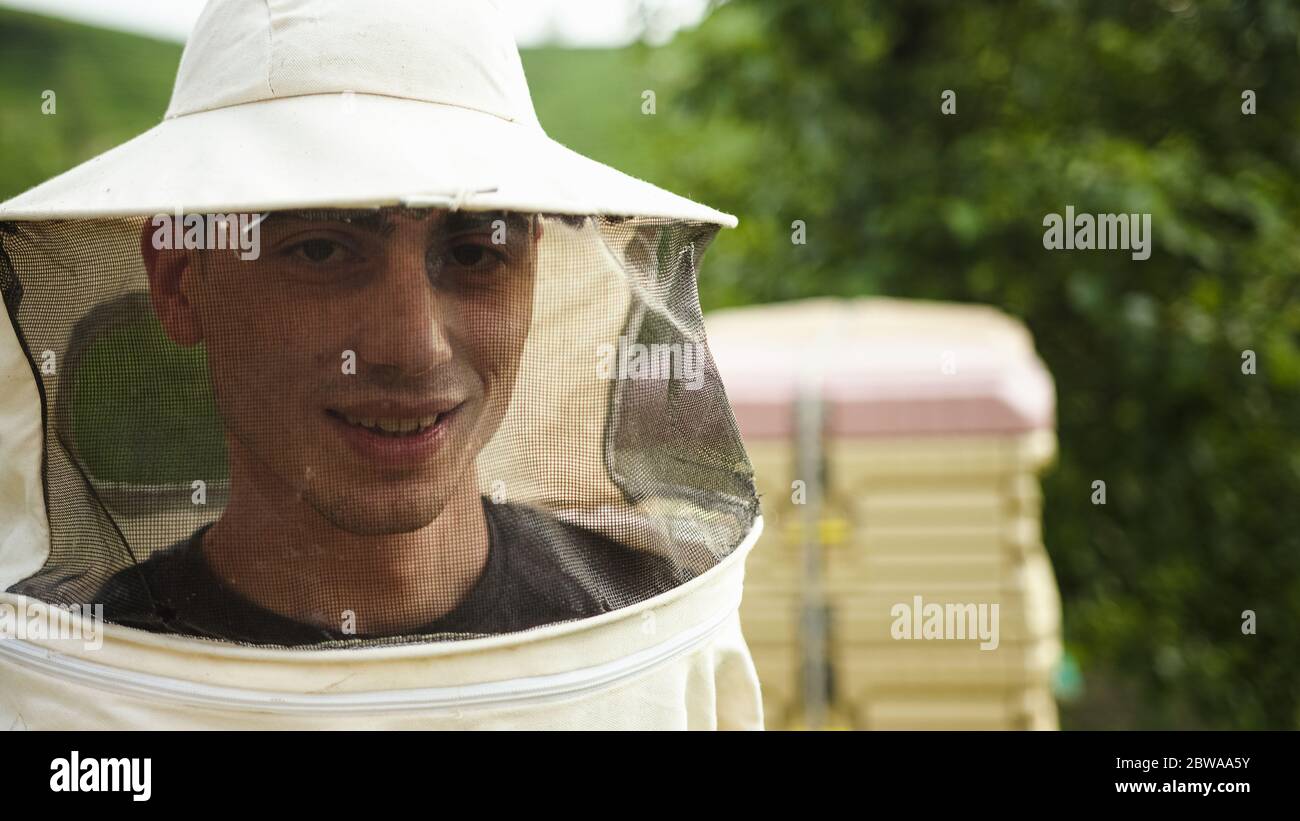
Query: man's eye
x,y
473,255
320,251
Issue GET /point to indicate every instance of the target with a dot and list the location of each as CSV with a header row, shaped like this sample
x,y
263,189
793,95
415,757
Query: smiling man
x,y
405,379
360,364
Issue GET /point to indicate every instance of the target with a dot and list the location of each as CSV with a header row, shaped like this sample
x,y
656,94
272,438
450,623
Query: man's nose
x,y
406,330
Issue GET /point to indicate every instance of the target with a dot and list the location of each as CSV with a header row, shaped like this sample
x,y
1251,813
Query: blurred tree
x,y
829,112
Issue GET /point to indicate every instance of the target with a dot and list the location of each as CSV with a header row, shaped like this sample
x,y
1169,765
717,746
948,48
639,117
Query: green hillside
x,y
108,86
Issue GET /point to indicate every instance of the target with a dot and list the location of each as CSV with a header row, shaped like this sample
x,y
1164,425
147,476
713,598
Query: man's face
x,y
365,358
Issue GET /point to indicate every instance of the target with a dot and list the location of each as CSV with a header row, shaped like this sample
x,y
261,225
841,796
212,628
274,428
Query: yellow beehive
x,y
936,422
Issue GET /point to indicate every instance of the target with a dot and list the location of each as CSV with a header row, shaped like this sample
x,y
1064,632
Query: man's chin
x,y
381,518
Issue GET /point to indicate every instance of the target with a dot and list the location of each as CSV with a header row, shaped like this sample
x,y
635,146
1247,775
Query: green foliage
x,y
145,412
1109,107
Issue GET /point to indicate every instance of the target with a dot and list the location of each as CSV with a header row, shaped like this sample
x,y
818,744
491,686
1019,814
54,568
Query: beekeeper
x,y
354,508
380,433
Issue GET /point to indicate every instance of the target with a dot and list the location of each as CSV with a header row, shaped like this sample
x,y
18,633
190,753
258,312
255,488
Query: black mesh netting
x,y
381,425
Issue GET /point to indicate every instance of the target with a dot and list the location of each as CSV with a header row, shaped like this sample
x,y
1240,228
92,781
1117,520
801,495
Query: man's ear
x,y
165,267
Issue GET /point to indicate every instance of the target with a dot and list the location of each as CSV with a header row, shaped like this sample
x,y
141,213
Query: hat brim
x,y
345,150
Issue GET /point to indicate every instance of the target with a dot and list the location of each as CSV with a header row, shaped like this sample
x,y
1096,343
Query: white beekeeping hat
x,y
294,103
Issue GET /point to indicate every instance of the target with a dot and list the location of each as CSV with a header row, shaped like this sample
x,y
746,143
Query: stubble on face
x,y
423,328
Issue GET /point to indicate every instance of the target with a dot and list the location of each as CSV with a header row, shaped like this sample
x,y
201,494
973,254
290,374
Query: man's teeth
x,y
393,425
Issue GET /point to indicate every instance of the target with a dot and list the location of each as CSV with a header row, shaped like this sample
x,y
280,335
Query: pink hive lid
x,y
886,367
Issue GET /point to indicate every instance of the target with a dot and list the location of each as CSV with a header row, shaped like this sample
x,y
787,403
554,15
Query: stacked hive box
x,y
937,420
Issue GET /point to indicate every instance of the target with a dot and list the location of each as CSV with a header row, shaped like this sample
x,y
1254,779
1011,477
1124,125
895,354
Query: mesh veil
x,y
375,432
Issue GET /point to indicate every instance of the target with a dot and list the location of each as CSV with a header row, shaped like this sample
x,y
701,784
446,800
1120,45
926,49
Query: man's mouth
x,y
393,425
395,436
